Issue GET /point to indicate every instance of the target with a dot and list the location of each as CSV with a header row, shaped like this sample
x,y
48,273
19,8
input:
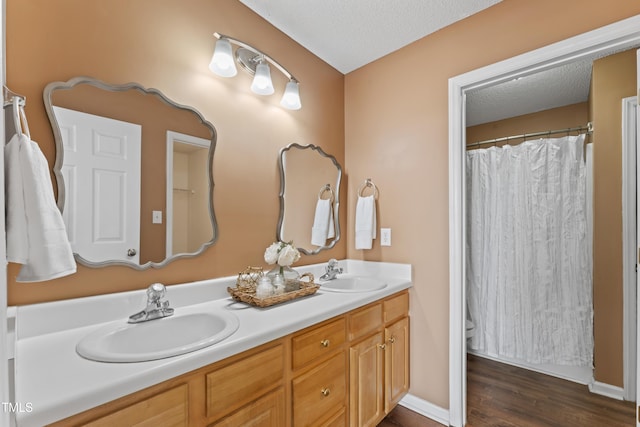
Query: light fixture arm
x,y
258,52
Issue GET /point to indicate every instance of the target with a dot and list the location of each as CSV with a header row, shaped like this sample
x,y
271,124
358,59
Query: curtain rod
x,y
588,128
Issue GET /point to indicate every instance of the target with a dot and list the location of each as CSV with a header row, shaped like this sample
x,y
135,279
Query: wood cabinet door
x,y
396,363
366,381
320,392
268,411
167,409
233,386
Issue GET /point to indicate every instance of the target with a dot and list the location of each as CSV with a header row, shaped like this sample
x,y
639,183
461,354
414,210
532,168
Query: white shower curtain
x,y
529,288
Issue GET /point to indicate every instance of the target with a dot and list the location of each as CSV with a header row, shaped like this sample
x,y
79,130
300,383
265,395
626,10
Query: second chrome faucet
x,y
332,270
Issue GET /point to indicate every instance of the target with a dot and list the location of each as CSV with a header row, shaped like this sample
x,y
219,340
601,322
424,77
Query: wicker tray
x,y
248,295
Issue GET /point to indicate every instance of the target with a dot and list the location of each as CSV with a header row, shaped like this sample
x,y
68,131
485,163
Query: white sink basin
x,y
157,339
347,283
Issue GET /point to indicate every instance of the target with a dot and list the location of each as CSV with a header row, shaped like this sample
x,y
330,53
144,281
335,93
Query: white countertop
x,y
53,382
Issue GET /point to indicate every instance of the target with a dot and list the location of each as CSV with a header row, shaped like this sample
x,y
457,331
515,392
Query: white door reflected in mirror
x,y
102,172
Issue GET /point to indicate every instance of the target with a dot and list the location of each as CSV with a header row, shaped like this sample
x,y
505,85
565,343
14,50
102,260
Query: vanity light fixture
x,y
256,63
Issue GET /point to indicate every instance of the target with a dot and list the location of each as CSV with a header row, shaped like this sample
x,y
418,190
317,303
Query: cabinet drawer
x,y
338,420
366,320
268,411
320,392
396,307
167,409
233,386
318,342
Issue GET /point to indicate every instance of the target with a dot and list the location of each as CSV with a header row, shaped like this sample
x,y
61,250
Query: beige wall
x,y
396,113
167,44
570,116
613,78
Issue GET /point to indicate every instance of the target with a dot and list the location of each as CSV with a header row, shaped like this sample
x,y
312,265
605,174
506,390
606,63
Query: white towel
x,y
323,226
365,222
16,220
36,235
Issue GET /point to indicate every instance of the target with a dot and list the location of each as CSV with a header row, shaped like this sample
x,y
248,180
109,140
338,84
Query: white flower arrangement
x,y
284,254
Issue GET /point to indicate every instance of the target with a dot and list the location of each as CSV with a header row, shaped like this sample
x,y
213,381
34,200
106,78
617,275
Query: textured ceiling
x,y
557,87
348,34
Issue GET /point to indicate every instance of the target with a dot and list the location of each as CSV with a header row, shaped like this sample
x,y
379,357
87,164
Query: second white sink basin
x,y
349,283
157,339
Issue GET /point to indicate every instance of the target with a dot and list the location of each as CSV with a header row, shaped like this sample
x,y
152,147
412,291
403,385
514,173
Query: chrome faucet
x,y
332,270
156,308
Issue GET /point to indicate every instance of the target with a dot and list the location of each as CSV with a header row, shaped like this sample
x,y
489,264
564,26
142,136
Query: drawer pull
x,y
325,392
325,343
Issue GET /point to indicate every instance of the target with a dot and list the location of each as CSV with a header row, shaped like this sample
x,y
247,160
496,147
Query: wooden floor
x,y
500,395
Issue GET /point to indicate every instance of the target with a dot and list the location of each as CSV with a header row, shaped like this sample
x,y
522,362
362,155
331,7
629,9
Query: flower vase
x,y
289,275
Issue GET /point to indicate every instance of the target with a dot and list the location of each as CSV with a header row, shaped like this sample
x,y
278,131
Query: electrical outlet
x,y
385,237
156,217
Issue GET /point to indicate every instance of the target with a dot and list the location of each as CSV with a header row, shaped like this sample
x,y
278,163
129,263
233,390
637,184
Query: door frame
x,y
629,244
172,137
6,367
619,36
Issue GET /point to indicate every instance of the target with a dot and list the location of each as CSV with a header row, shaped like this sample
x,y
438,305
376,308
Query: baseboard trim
x,y
425,408
608,390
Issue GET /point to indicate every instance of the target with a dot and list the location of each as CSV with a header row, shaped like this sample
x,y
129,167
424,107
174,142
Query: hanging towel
x,y
16,220
36,235
323,226
365,222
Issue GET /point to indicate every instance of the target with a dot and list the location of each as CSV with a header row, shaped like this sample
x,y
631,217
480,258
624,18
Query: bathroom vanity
x,y
331,359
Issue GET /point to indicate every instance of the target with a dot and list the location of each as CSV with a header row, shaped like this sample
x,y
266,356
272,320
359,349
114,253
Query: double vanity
x,y
338,357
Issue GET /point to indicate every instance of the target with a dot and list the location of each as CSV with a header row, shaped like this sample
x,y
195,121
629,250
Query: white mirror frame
x,y
612,38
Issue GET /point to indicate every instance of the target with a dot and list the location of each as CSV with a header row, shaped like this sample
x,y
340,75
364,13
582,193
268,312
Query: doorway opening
x,y
598,43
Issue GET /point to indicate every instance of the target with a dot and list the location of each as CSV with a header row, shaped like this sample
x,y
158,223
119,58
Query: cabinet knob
x,y
382,346
392,339
325,343
325,392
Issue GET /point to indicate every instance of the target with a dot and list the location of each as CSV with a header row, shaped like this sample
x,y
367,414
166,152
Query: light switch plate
x,y
385,237
157,217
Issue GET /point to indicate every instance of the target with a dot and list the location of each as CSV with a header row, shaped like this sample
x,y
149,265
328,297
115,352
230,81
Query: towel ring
x,y
324,189
19,117
16,116
368,183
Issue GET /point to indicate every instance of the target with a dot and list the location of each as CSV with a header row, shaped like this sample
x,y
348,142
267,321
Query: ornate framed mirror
x,y
134,173
309,198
